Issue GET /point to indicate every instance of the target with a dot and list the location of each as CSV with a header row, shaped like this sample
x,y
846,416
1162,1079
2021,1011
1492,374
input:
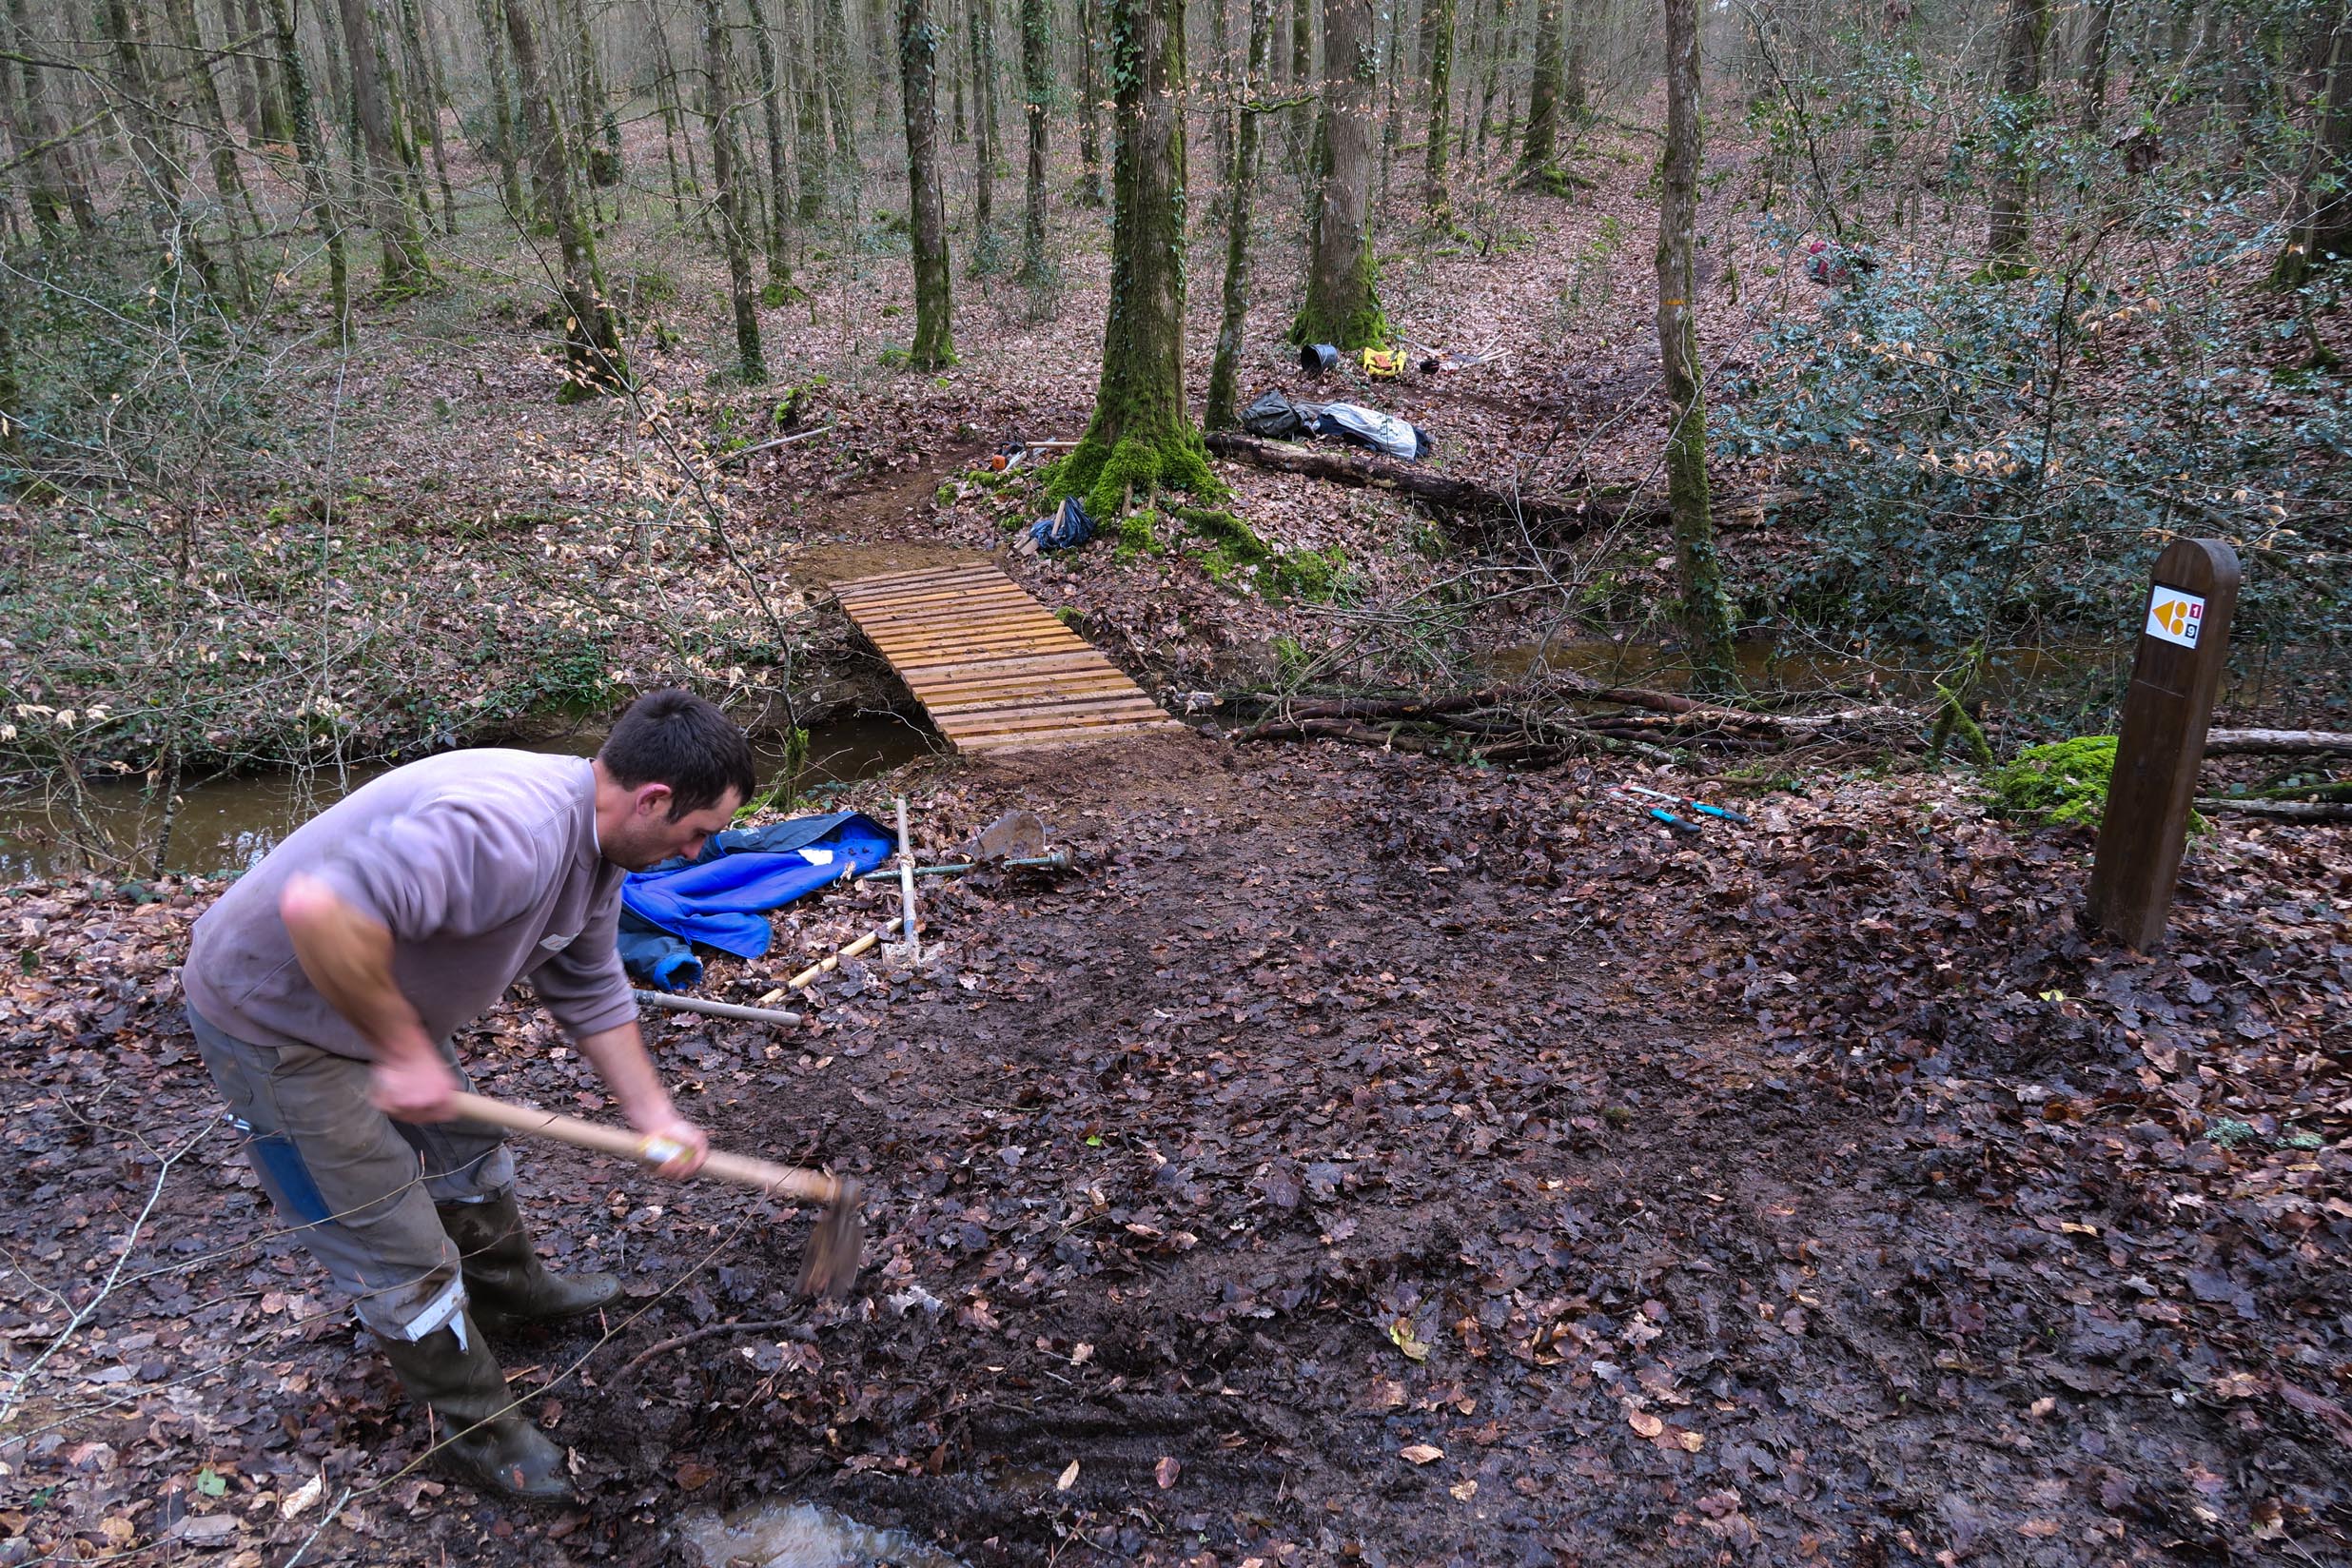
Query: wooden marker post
x,y
2184,642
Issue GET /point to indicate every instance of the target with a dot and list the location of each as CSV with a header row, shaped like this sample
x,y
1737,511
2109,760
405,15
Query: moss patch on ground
x,y
2064,781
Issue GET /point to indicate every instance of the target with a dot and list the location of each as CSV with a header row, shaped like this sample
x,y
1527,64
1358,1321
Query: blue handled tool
x,y
1658,813
1700,806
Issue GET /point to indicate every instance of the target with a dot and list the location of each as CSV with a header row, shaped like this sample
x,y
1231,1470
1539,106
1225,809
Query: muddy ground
x,y
1355,1159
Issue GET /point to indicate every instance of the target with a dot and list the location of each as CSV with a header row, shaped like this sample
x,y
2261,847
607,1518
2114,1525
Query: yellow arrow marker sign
x,y
2175,617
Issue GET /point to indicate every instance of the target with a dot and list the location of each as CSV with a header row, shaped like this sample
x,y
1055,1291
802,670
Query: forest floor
x,y
1357,1158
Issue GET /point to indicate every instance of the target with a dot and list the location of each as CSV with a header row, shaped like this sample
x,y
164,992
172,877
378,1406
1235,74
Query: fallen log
x,y
1339,729
1561,517
1401,707
1676,715
2276,742
2281,810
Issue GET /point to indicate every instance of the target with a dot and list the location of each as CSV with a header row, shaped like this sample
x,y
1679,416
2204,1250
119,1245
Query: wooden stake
x,y
833,961
906,887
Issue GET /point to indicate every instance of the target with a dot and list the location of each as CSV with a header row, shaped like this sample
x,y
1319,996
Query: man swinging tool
x,y
324,990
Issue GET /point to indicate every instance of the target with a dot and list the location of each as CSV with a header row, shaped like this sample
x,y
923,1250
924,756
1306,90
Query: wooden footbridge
x,y
992,667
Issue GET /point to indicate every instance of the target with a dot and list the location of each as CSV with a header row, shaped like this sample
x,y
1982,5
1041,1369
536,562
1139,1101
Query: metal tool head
x,y
837,1247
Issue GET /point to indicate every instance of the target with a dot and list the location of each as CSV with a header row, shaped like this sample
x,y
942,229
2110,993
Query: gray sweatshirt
x,y
482,864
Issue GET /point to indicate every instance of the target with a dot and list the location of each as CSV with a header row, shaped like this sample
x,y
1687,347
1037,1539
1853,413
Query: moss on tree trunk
x,y
1704,613
1141,437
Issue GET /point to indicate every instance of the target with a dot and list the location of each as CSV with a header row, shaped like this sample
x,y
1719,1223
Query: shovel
x,y
835,1247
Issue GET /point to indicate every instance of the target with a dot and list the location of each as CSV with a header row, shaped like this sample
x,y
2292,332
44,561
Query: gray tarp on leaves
x,y
1278,419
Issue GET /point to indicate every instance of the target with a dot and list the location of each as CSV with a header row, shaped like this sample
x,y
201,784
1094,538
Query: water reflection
x,y
800,1535
229,823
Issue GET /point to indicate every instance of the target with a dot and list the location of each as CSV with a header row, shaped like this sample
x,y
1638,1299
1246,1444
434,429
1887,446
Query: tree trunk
x,y
1498,34
272,119
384,53
1036,101
2095,65
2321,210
310,152
959,67
404,263
1301,42
670,101
155,157
12,473
1218,80
437,86
425,105
17,84
835,53
1089,123
809,143
927,220
1141,437
212,120
1438,70
727,190
1539,150
53,173
1223,372
1342,307
980,16
1387,56
597,123
772,118
2008,229
340,109
1704,612
594,362
1575,107
499,84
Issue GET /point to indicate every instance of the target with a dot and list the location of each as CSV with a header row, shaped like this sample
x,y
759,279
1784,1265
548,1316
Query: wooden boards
x,y
994,669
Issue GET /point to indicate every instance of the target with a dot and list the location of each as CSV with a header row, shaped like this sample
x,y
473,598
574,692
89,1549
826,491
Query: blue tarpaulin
x,y
720,898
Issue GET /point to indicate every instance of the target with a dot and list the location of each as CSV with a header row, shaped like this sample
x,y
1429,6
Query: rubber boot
x,y
461,1383
505,1282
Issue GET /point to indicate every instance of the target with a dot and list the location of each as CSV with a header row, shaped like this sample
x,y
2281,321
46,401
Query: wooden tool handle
x,y
789,1181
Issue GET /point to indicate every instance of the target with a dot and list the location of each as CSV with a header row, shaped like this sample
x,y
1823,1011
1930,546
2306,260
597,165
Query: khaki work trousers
x,y
359,1186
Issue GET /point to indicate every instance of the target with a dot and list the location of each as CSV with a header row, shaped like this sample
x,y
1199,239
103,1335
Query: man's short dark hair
x,y
677,738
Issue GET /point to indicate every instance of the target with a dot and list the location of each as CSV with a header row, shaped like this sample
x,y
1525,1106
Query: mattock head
x,y
836,1246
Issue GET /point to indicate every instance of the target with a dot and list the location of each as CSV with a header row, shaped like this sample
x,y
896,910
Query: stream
x,y
230,822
